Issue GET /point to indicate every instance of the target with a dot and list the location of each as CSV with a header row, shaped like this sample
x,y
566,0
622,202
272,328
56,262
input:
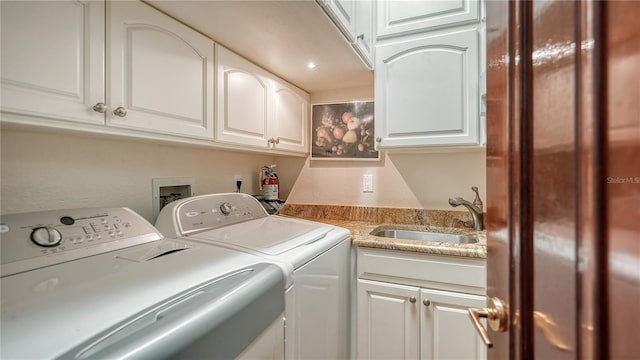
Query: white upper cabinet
x,y
365,38
290,118
355,19
158,75
428,87
52,60
160,72
396,17
427,91
243,100
255,108
344,12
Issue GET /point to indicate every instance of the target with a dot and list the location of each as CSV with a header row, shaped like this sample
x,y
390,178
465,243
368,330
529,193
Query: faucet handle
x,y
477,201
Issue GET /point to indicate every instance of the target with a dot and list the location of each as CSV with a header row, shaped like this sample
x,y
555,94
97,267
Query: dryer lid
x,y
271,235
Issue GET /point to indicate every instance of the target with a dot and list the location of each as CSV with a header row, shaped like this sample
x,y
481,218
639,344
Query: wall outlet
x,y
367,183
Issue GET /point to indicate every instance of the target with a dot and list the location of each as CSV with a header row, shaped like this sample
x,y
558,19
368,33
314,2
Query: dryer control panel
x,y
33,240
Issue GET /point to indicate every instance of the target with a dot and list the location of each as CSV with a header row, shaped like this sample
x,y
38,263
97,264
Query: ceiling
x,y
282,36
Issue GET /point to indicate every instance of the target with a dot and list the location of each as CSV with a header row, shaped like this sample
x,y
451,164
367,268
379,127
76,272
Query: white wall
x,y
43,171
400,180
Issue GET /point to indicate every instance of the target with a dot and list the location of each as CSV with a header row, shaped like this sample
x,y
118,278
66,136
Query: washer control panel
x,y
208,212
32,240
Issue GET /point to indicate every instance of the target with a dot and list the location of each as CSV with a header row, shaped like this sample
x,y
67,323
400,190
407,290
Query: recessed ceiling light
x,y
311,65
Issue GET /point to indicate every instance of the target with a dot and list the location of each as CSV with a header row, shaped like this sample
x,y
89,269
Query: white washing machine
x,y
317,306
104,283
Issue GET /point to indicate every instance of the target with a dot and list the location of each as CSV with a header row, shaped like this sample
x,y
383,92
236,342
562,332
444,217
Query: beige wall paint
x,y
43,171
424,180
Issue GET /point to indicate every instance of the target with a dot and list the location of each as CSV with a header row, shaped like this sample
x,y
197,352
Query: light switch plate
x,y
367,183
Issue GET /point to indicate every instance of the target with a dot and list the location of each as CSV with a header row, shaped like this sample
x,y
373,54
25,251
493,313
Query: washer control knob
x,y
46,236
225,208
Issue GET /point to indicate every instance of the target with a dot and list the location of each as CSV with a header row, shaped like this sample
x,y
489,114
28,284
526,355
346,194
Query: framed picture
x,y
343,131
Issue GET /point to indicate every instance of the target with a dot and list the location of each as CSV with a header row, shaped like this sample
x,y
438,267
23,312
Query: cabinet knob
x,y
276,140
120,111
412,299
426,302
378,139
361,37
100,107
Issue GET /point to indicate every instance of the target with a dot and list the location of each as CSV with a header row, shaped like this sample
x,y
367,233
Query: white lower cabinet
x,y
446,331
388,321
408,316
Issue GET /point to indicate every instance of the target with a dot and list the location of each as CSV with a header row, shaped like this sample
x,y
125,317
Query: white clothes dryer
x,y
317,306
104,283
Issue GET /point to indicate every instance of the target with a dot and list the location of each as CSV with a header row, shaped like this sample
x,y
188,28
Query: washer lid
x,y
49,311
272,235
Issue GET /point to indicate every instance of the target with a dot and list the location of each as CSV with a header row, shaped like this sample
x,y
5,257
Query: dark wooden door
x,y
563,171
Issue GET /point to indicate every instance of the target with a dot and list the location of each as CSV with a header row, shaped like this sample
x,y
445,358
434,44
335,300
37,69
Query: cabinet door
x,y
160,71
243,101
427,91
52,59
388,321
364,43
446,330
290,118
344,13
397,17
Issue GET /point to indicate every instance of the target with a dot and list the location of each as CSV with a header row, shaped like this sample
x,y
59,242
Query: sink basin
x,y
426,236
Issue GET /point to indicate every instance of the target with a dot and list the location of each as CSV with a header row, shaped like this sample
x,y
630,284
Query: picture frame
x,y
343,131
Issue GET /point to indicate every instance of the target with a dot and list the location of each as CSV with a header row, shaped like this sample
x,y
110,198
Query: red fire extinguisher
x,y
269,182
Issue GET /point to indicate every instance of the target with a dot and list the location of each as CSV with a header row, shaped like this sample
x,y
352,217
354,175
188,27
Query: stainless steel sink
x,y
426,236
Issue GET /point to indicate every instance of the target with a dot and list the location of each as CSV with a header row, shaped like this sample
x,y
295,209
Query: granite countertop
x,y
361,232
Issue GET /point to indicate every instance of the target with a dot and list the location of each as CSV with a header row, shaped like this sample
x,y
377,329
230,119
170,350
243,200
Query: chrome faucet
x,y
474,208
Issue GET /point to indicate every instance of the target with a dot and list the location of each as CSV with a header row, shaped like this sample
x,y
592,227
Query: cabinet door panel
x,y
399,17
290,119
427,91
344,11
245,101
364,43
161,71
242,101
446,330
388,323
52,59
